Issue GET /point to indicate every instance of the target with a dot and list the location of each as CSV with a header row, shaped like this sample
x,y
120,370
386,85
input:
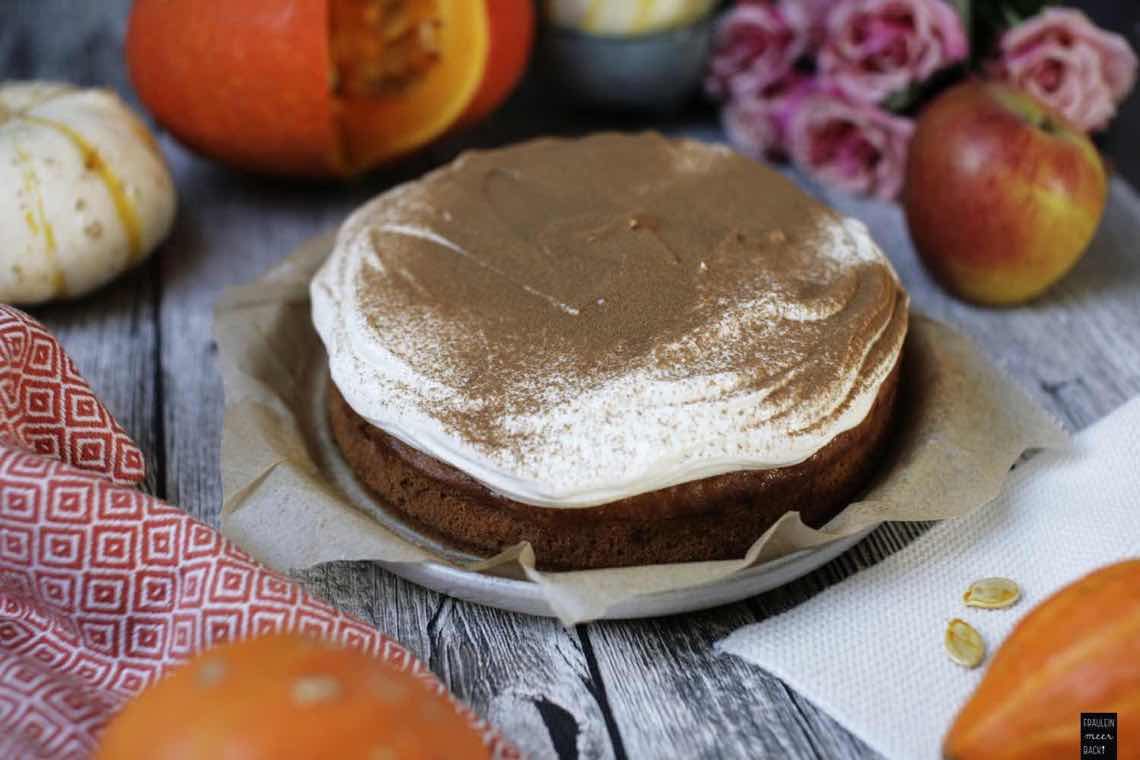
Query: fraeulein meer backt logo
x,y
1098,735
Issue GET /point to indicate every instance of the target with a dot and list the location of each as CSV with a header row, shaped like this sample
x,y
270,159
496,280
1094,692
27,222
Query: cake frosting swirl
x,y
573,322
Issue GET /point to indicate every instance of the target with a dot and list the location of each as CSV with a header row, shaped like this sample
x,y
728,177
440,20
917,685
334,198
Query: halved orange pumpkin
x,y
323,87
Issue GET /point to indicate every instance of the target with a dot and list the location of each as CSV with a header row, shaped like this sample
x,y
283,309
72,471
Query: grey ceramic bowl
x,y
654,72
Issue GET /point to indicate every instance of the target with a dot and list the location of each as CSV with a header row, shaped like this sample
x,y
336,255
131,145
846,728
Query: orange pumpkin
x,y
289,696
323,87
1078,651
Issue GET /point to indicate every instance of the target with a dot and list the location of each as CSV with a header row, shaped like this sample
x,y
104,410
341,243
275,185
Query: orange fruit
x,y
285,696
323,87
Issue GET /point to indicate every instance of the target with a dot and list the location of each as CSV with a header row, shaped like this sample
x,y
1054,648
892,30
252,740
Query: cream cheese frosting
x,y
573,322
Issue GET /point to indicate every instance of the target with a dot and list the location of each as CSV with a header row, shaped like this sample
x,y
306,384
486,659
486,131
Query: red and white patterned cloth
x,y
102,587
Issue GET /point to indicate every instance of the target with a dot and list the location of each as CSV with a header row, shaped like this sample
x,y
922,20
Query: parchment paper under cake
x,y
960,429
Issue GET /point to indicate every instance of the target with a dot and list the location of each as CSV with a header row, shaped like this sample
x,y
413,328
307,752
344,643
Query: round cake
x,y
623,349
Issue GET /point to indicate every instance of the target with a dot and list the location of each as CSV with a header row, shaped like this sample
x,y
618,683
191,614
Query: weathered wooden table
x,y
652,688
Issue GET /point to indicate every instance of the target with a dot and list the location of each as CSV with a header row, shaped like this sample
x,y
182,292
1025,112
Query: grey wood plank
x,y
71,40
700,704
668,689
528,676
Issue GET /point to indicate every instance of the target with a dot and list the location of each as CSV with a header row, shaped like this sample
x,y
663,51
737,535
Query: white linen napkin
x,y
869,650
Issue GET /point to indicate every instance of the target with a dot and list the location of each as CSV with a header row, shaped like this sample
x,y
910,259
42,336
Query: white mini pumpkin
x,y
84,191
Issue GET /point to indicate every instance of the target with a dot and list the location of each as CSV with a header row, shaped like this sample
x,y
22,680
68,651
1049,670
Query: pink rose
x,y
755,45
757,123
814,13
875,48
857,147
1068,63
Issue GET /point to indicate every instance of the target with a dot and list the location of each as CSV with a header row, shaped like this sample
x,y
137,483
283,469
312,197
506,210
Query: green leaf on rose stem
x,y
991,18
901,100
1027,8
910,101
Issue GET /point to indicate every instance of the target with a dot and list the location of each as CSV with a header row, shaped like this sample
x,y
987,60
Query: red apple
x,y
1002,195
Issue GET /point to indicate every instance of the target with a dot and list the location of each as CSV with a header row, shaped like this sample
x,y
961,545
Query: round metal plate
x,y
525,596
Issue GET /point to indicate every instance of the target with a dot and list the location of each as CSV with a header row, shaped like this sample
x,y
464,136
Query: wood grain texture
x,y
616,689
529,676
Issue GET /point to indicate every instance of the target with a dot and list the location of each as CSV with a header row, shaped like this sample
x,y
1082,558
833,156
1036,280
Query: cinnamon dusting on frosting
x,y
575,314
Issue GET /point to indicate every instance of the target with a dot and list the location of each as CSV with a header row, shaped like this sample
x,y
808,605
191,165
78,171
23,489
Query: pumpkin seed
x,y
964,644
992,593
